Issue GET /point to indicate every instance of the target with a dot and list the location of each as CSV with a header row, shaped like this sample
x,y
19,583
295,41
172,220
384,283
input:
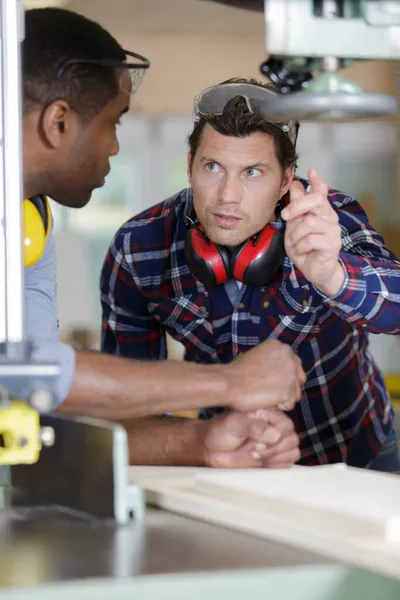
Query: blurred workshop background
x,y
193,44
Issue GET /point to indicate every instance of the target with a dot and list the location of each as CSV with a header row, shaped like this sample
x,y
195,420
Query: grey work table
x,y
47,555
48,552
42,542
43,545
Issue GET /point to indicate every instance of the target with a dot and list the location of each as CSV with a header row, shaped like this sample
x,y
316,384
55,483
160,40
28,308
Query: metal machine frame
x,y
43,449
20,435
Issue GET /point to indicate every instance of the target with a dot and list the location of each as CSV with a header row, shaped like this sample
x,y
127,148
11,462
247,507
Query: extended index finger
x,y
318,184
314,203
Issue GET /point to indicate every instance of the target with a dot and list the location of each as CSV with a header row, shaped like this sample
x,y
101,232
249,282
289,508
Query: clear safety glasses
x,y
211,103
136,68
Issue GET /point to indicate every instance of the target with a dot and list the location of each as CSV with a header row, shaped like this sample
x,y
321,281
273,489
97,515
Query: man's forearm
x,y
117,389
165,441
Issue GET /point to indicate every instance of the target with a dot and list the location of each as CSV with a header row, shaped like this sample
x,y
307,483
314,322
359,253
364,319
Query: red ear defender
x,y
208,262
254,262
257,260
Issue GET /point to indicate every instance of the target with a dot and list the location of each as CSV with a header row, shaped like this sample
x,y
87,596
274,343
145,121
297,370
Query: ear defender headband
x,y
254,262
36,228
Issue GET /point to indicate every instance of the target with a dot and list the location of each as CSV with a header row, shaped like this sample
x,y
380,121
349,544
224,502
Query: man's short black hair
x,y
53,36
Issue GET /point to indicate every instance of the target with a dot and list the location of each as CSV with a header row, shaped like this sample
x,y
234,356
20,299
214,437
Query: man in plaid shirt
x,y
335,283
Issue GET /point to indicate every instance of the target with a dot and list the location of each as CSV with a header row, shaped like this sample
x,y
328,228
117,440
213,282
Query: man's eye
x,y
253,172
212,167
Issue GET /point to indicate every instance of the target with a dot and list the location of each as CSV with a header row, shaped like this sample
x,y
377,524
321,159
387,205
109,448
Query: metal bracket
x,y
85,470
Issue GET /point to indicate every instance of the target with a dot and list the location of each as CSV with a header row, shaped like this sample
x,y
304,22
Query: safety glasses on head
x,y
212,101
134,68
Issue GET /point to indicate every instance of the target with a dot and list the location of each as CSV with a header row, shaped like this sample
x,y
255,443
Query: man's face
x,y
81,163
236,183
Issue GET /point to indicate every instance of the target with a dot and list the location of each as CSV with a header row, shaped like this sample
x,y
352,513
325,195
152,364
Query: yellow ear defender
x,y
36,228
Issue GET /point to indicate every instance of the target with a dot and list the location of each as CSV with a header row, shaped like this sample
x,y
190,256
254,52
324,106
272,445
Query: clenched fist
x,y
265,438
270,375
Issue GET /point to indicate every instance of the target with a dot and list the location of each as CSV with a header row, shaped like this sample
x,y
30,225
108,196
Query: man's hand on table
x,y
265,438
269,375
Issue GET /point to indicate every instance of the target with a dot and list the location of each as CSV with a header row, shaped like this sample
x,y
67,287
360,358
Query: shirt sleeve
x,y
370,294
41,324
128,329
41,315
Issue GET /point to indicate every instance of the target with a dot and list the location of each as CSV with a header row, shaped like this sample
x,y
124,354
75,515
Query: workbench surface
x,y
44,544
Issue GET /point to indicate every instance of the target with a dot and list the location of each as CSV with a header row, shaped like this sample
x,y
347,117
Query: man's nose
x,y
230,192
114,148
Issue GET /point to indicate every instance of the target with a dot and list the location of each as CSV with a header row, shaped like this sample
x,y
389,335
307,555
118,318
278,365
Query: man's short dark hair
x,y
53,36
238,121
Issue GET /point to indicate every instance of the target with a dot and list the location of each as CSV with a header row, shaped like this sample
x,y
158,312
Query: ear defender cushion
x,y
256,261
36,228
208,262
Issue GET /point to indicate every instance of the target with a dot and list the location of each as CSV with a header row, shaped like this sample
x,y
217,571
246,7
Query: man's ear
x,y
288,177
58,123
189,167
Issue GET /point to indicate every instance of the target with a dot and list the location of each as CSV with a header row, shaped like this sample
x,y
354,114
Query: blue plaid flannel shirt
x,y
345,413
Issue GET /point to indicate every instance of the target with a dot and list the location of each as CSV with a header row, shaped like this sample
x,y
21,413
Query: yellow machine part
x,y
392,381
19,423
36,226
19,434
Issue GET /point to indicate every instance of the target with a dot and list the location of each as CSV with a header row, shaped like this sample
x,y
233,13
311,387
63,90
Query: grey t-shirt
x,y
41,324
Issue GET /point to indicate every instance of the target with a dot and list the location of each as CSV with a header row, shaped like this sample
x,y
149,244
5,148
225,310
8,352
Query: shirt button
x,y
157,317
241,305
266,304
203,309
304,303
